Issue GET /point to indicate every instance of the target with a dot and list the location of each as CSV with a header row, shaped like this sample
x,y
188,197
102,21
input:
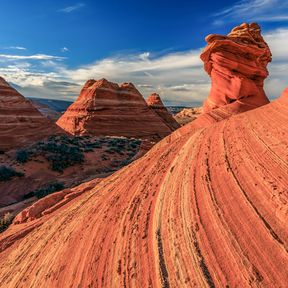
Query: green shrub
x,y
5,221
7,173
42,192
22,156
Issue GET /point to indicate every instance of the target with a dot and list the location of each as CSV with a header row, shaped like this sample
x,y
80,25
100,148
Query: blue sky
x,y
49,49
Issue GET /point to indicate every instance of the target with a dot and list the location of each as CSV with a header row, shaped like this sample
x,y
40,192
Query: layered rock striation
x,y
203,208
155,103
20,122
104,108
237,65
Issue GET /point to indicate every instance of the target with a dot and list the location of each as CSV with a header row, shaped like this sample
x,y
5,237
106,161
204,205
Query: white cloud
x,y
30,57
72,8
64,49
254,10
178,77
15,48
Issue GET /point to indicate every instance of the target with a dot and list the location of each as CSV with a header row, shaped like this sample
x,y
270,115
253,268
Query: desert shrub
x,y
7,173
5,221
42,192
22,156
61,152
65,157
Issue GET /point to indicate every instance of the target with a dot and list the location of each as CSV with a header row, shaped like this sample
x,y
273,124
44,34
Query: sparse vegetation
x,y
22,156
60,151
7,173
5,221
64,151
42,192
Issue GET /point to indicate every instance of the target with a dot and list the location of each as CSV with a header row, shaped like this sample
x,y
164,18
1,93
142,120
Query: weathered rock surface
x,y
237,65
108,109
188,115
155,103
203,208
20,122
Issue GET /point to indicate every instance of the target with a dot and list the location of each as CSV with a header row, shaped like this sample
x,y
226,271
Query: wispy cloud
x,y
72,8
30,57
15,48
64,49
253,10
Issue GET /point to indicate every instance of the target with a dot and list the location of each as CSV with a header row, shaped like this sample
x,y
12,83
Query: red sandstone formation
x,y
188,115
20,122
108,109
203,208
155,103
237,65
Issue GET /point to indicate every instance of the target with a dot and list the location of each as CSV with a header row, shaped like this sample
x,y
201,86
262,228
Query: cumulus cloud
x,y
72,8
253,10
278,69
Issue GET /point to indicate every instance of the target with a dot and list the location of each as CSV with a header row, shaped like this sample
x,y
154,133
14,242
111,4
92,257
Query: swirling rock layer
x,y
107,109
206,207
237,65
20,122
155,103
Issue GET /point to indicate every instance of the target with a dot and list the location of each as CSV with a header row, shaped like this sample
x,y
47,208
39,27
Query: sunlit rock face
x,y
205,207
20,122
104,108
155,103
237,65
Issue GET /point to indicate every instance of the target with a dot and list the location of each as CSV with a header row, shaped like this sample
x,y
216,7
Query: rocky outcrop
x,y
108,109
155,103
202,208
237,65
20,122
205,207
188,115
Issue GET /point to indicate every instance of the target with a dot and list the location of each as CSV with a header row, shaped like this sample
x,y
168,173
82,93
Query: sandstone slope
x,y
155,103
20,121
205,209
104,108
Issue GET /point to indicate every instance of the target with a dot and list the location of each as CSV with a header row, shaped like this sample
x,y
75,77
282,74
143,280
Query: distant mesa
x,y
155,103
188,115
104,108
20,122
237,65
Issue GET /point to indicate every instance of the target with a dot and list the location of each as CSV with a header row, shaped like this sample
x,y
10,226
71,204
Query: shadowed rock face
x,y
155,103
203,208
108,109
237,65
20,122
